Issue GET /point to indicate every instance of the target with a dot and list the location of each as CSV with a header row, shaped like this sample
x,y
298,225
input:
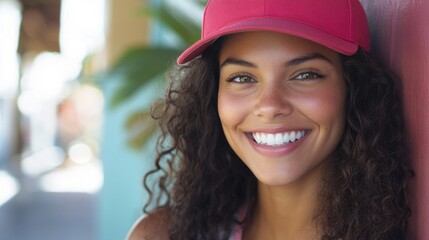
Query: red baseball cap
x,y
340,25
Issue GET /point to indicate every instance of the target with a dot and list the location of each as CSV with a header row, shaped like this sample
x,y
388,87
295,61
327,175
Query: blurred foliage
x,y
142,65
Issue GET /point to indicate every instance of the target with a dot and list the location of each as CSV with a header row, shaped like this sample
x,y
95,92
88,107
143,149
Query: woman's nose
x,y
272,103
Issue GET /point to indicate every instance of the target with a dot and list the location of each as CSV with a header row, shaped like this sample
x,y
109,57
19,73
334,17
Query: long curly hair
x,y
203,184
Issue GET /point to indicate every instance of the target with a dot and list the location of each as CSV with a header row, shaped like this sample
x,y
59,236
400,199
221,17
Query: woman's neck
x,y
286,212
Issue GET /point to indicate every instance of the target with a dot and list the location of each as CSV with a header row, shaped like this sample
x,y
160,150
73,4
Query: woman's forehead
x,y
257,44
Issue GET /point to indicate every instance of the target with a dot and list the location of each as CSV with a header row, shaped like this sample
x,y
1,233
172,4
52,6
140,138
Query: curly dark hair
x,y
203,184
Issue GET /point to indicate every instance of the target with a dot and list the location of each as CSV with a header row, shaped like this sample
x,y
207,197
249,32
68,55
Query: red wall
x,y
400,33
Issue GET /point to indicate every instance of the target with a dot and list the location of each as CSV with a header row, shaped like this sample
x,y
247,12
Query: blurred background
x,y
77,78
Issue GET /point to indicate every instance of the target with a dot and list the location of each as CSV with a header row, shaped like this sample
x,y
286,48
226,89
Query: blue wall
x,y
122,197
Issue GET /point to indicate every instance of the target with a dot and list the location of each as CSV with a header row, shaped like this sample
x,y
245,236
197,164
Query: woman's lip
x,y
277,130
276,151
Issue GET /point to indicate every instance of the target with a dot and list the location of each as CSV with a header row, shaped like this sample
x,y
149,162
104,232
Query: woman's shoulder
x,y
153,226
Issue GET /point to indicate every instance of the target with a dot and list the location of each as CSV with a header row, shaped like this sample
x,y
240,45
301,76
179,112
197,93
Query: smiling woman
x,y
280,124
288,87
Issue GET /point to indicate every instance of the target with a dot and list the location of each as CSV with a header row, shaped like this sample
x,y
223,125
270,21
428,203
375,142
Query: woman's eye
x,y
241,79
308,76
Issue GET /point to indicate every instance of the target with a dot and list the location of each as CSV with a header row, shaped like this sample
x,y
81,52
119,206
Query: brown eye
x,y
308,76
241,79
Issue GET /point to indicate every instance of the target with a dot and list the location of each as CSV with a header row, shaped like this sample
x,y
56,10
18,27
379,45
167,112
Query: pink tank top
x,y
237,234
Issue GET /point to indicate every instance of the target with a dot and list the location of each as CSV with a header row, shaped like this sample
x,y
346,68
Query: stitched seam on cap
x,y
350,21
203,30
265,8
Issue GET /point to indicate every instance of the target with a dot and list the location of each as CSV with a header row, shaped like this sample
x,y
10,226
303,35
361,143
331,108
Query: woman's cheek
x,y
229,108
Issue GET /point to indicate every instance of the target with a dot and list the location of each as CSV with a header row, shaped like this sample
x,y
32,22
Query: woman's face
x,y
281,103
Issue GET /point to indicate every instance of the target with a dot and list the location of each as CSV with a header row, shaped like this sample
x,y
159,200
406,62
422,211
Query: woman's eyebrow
x,y
305,58
236,61
293,62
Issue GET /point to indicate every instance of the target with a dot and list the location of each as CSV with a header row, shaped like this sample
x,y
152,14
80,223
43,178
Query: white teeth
x,y
271,139
292,137
286,137
278,138
263,138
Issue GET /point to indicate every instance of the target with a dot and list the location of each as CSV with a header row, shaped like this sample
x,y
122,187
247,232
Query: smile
x,y
278,139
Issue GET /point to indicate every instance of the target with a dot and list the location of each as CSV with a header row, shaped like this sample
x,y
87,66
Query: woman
x,y
279,124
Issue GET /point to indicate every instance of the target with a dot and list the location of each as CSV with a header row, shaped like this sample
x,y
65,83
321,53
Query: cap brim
x,y
286,26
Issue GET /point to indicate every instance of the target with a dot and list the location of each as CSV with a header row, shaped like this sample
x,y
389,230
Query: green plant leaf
x,y
142,65
138,67
202,3
178,22
140,128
